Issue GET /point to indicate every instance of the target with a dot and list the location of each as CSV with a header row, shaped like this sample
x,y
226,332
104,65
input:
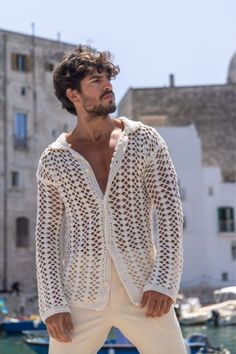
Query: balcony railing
x,y
20,143
226,225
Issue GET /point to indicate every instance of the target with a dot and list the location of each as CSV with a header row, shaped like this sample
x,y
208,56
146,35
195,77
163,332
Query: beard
x,y
101,110
98,109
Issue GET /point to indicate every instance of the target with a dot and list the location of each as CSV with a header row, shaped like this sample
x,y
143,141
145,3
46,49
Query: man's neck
x,y
95,129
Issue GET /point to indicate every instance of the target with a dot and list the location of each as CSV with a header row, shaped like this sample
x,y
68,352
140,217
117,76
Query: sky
x,y
149,39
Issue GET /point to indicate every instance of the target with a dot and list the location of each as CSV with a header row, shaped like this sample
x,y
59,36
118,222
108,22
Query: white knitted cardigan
x,y
73,267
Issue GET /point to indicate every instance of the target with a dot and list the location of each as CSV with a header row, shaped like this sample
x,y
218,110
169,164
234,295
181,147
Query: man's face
x,y
96,94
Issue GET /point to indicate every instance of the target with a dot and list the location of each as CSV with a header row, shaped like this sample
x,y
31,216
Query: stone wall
x,y
212,108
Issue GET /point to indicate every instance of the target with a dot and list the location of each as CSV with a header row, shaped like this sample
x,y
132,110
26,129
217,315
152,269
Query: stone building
x,y
211,107
207,175
30,118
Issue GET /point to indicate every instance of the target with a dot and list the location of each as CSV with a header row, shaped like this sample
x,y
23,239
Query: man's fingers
x,y
144,299
168,306
162,308
68,324
62,331
157,304
157,309
150,306
58,332
58,325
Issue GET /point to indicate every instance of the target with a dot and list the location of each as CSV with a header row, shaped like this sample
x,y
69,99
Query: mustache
x,y
106,93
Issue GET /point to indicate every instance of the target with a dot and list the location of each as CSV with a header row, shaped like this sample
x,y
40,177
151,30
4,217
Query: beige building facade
x,y
30,118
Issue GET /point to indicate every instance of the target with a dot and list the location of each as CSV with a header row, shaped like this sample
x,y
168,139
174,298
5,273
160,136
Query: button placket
x,y
107,274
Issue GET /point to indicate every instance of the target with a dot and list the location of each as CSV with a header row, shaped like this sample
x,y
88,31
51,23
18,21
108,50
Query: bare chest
x,y
99,156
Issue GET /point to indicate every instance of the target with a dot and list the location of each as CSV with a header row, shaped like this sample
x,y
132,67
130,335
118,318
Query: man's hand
x,y
59,325
157,303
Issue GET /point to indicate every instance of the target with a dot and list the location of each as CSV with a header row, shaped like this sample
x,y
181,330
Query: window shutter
x,y
22,232
28,63
226,220
228,213
220,213
13,61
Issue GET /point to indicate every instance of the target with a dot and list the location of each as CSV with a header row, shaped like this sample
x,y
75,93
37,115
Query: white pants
x,y
150,335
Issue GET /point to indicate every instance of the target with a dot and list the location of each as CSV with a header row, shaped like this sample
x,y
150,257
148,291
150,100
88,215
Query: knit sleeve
x,y
50,208
162,186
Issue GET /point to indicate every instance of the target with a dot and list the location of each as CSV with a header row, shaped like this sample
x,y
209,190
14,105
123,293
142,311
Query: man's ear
x,y
72,95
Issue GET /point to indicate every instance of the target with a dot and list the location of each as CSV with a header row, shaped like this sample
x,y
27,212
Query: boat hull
x,y
17,327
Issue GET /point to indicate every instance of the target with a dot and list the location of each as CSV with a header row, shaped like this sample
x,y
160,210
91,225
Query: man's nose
x,y
107,84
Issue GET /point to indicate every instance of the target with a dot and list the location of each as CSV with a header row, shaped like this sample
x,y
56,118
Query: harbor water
x,y
220,335
225,335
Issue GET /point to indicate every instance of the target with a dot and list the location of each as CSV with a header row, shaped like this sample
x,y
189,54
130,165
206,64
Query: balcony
x,y
20,143
227,234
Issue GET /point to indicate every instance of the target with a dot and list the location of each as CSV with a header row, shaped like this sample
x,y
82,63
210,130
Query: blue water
x,y
222,335
225,335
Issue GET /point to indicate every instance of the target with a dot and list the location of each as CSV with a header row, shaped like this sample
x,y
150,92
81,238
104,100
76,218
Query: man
x,y
106,177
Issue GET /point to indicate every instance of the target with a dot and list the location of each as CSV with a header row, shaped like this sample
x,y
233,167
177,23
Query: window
x,y
233,250
226,219
22,232
210,191
23,91
224,276
49,67
20,62
15,178
20,134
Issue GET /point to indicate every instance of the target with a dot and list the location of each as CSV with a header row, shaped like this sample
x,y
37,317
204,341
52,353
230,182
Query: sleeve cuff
x,y
44,315
162,290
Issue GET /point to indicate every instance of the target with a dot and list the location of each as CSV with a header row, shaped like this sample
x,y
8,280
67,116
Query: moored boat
x,y
198,343
221,314
116,343
193,319
13,325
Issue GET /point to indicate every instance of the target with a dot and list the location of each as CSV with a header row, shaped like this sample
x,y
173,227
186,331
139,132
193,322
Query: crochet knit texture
x,y
73,265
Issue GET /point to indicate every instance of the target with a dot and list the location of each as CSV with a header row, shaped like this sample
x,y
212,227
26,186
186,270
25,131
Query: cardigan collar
x,y
130,127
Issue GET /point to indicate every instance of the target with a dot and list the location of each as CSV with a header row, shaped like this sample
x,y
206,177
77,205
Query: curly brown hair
x,y
75,66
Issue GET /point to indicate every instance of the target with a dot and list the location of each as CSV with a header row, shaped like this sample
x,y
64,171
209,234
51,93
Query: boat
x,y
198,343
194,319
191,312
13,325
224,294
116,343
38,341
223,316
